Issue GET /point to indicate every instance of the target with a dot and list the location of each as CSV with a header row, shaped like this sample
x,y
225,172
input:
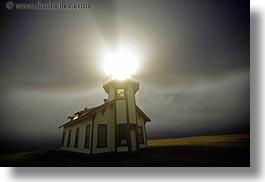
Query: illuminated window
x,y
120,93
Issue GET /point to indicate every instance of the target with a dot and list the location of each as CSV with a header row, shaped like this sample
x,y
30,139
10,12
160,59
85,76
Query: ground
x,y
219,150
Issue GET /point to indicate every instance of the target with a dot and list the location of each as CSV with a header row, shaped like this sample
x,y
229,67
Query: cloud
x,y
220,105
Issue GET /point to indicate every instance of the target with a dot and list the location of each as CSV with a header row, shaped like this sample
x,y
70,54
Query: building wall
x,y
107,118
82,133
131,105
122,108
121,111
140,122
122,149
111,94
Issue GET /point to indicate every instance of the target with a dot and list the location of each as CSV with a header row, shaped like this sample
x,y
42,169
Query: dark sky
x,y
194,73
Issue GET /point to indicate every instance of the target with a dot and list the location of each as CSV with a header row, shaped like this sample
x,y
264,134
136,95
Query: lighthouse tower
x,y
125,109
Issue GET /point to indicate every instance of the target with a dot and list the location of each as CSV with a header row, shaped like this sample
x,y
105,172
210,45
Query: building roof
x,y
146,118
87,113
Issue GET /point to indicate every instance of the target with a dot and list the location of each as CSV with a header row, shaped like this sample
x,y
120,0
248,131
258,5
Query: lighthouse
x,y
125,115
117,125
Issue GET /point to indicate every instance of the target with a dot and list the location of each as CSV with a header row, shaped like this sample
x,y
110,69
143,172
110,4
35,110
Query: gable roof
x,y
88,113
146,118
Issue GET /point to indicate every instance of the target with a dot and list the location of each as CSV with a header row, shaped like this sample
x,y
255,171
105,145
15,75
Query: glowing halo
x,y
121,64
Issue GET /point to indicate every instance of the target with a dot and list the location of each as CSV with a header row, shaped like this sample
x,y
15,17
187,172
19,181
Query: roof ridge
x,y
88,114
87,109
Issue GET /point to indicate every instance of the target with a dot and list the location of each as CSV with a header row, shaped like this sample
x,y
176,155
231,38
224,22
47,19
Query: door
x,y
133,140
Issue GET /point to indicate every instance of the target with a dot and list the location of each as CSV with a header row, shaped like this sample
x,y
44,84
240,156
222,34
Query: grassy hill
x,y
201,140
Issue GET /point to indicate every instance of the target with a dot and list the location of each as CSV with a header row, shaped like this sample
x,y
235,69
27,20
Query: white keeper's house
x,y
118,125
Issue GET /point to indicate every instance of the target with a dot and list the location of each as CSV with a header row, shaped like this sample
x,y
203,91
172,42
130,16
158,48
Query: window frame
x,y
140,135
124,135
69,138
63,139
77,133
103,111
87,136
117,94
105,144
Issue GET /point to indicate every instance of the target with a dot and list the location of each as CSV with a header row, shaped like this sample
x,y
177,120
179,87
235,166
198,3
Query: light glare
x,y
120,64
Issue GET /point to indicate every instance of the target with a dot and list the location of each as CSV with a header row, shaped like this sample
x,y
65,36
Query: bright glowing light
x,y
121,64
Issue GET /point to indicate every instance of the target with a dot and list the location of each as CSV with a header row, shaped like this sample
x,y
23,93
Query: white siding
x,y
121,111
111,94
141,123
107,118
81,143
122,149
131,105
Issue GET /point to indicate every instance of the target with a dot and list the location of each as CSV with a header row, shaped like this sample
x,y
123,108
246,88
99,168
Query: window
x,y
140,135
69,138
120,93
63,139
87,139
77,136
122,134
103,111
102,135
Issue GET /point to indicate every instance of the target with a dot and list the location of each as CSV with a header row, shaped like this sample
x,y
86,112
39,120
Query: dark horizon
x,y
194,73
